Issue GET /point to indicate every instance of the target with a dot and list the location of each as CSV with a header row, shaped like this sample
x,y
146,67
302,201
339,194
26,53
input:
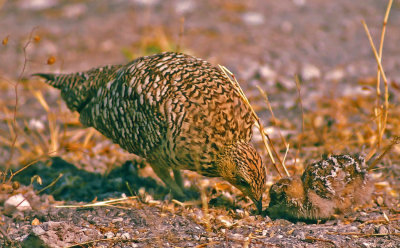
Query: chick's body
x,y
177,111
331,186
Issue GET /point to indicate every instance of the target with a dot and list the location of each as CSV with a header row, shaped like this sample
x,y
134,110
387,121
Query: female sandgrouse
x,y
177,111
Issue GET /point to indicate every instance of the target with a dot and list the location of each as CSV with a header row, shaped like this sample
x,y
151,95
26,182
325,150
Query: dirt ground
x,y
264,43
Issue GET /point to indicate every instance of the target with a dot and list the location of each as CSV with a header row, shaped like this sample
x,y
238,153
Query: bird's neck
x,y
226,162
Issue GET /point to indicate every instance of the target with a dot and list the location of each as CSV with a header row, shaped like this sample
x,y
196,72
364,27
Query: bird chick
x,y
176,111
331,186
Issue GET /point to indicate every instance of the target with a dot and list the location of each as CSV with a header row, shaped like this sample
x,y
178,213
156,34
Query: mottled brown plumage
x,y
177,111
331,186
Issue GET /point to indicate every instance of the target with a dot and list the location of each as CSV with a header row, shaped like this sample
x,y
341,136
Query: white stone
x,y
253,18
37,4
75,10
125,236
299,3
38,230
147,3
183,7
335,75
266,72
16,202
35,124
309,72
109,235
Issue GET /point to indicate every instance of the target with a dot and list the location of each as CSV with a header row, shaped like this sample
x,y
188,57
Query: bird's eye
x,y
243,182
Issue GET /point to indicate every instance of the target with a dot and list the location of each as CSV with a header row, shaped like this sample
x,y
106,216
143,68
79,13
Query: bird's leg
x,y
164,174
178,178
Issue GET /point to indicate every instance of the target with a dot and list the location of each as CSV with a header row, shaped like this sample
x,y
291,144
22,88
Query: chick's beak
x,y
258,204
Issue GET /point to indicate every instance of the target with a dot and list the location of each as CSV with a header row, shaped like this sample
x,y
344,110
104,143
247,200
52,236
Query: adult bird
x,y
176,111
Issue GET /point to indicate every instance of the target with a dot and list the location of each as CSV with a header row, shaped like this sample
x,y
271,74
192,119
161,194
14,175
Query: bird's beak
x,y
258,204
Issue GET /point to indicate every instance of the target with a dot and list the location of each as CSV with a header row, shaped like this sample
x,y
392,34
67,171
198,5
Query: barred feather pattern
x,y
170,108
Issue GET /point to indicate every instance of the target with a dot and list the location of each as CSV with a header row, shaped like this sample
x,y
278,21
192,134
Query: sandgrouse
x,y
331,186
176,111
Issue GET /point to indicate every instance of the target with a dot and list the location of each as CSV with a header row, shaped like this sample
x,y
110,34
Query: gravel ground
x,y
150,226
263,42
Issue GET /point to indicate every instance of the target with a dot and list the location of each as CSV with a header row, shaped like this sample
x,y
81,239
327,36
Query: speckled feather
x,y
322,176
175,110
331,186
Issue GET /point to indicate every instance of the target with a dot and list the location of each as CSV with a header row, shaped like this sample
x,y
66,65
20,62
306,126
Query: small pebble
x,y
117,220
37,230
125,236
379,200
353,229
370,229
366,245
253,18
299,234
109,235
309,72
335,75
16,202
299,3
184,7
266,72
383,230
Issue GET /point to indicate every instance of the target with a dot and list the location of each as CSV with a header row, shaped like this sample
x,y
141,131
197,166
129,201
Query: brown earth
x,y
264,43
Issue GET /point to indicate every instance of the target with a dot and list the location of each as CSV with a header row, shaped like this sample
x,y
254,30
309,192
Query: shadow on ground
x,y
80,185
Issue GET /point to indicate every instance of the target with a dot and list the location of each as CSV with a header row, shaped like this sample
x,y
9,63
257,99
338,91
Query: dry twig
x,y
15,136
364,234
51,184
274,119
264,135
378,77
395,141
297,80
100,204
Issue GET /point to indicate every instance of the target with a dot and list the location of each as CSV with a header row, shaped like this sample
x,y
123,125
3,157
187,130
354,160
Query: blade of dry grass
x,y
286,153
39,96
395,141
101,203
264,135
298,87
264,94
371,153
16,86
28,165
54,133
51,184
378,74
92,243
181,33
88,137
382,72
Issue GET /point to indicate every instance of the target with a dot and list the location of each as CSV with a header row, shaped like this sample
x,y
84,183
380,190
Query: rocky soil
x,y
264,43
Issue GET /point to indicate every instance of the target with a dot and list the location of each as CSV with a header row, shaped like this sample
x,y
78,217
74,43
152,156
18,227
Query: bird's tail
x,y
62,80
74,89
78,88
47,76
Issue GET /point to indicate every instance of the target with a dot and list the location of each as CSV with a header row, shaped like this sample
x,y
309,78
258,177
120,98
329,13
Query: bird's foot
x,y
186,194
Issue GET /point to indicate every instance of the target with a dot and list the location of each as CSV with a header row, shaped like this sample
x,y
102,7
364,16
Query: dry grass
x,y
268,145
378,56
338,125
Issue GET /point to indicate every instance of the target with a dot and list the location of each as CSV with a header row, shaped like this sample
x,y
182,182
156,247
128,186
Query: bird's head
x,y
241,165
287,199
287,190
